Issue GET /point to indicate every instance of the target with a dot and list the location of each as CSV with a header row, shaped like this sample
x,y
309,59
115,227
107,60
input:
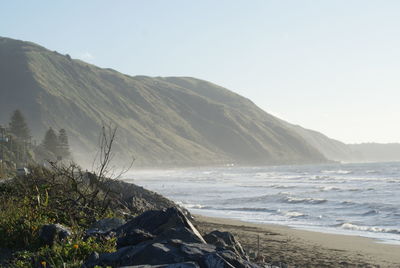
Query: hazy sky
x,y
332,66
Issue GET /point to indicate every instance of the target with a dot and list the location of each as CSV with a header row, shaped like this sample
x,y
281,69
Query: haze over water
x,y
357,199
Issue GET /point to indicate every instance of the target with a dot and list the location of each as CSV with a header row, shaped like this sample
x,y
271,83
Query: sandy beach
x,y
300,248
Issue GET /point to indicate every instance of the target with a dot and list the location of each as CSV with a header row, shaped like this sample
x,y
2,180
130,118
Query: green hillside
x,y
162,121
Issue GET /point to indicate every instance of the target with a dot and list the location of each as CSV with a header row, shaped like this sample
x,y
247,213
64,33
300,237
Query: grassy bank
x,y
63,195
68,196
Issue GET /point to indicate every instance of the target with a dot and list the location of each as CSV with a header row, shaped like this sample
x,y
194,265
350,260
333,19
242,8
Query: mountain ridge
x,y
169,121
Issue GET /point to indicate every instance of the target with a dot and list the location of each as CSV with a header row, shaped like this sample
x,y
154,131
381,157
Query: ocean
x,y
352,199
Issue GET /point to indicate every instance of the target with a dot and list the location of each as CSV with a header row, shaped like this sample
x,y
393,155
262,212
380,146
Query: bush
x,y
46,196
63,194
72,253
20,223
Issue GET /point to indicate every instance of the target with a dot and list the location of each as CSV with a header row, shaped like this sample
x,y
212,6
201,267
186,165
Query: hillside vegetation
x,y
162,121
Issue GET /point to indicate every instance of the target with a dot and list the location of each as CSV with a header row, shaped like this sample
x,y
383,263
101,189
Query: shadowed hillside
x,y
162,121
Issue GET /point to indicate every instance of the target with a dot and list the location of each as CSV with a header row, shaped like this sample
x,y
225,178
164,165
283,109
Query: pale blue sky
x,y
332,66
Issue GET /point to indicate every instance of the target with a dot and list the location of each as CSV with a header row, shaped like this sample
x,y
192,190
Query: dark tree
x,y
18,126
63,145
50,141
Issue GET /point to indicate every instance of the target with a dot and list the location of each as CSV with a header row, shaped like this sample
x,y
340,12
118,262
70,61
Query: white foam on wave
x,y
294,214
308,200
189,206
364,197
329,188
281,186
269,186
374,229
339,171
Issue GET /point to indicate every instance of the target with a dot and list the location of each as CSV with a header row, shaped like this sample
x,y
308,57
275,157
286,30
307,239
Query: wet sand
x,y
300,248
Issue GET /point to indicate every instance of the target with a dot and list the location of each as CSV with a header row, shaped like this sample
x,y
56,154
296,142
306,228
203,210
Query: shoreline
x,y
304,248
381,238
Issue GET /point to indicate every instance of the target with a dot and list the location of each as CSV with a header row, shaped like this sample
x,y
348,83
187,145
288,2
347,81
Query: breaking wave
x,y
340,172
295,214
374,229
295,200
361,197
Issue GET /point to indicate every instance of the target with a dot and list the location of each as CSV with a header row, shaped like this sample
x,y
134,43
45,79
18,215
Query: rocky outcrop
x,y
167,238
163,223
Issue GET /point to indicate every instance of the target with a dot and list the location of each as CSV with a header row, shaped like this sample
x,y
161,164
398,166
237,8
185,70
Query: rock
x,y
172,251
175,265
134,237
51,233
215,261
182,233
166,238
162,221
145,253
105,225
111,259
225,240
196,251
165,253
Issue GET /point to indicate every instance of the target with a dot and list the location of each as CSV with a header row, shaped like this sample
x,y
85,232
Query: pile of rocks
x,y
167,238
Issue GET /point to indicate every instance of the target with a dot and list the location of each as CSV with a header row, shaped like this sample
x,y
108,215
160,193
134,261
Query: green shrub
x,y
20,223
65,195
70,254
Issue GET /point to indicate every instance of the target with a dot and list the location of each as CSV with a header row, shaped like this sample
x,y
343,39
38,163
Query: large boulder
x,y
169,223
166,238
171,252
51,233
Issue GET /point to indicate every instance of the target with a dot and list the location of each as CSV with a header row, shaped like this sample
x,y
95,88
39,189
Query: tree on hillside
x,y
50,141
63,144
18,126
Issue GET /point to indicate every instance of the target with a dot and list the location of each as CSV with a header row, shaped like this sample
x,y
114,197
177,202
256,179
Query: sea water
x,y
355,199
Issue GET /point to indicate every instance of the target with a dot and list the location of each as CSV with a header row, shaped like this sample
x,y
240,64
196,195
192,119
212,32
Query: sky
x,y
331,66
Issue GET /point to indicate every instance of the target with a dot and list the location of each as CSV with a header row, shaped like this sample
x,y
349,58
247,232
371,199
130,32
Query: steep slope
x,y
330,148
338,151
162,121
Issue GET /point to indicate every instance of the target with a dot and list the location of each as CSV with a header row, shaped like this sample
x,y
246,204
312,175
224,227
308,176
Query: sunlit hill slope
x,y
170,121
